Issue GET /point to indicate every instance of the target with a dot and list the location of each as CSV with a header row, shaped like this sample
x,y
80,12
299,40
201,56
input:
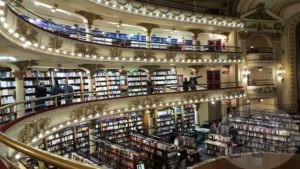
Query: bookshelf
x,y
107,83
164,122
7,88
31,80
82,137
113,82
137,82
62,142
266,131
189,118
117,129
76,78
117,156
158,154
164,77
100,82
217,145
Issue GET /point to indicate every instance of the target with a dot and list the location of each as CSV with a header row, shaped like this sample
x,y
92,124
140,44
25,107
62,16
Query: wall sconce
x,y
280,73
261,100
260,69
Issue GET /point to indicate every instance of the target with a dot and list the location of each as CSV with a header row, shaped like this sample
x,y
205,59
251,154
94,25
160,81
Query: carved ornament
x,y
55,42
115,52
85,111
25,30
85,49
146,101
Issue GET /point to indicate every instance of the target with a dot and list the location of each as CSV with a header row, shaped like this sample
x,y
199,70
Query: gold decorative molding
x,y
142,54
170,55
24,30
193,96
148,26
85,49
148,101
89,16
150,68
85,111
23,65
195,32
115,52
55,42
92,67
193,56
33,129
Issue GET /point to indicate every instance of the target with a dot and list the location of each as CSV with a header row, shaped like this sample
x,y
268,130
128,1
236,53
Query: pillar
x,y
91,69
149,27
202,113
89,33
19,92
195,33
90,17
148,39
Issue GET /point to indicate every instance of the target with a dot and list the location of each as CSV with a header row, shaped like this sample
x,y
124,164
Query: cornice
x,y
160,12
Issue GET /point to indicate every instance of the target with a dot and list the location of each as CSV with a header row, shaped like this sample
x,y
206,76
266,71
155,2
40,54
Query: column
x,y
148,39
91,69
240,38
195,37
89,33
90,17
19,92
149,27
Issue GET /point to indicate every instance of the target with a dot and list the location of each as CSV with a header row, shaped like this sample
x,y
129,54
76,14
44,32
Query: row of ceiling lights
x,y
191,19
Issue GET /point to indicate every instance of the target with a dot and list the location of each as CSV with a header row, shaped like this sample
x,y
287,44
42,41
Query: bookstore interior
x,y
138,84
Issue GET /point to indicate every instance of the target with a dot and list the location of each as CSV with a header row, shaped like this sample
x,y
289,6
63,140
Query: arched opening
x,y
259,43
297,34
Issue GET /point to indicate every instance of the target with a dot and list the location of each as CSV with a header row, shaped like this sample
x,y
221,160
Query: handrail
x,y
123,42
17,110
43,156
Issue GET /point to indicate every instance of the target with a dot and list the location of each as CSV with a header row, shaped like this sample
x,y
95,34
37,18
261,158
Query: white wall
x,y
203,113
265,74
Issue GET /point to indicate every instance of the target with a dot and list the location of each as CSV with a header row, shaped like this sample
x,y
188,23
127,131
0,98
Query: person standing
x,y
56,89
185,85
40,91
68,90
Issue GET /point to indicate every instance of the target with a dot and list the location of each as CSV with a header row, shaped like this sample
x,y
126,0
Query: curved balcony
x,y
60,116
16,110
28,35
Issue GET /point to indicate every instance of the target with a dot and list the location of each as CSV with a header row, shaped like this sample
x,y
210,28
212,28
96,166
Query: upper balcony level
x,y
32,32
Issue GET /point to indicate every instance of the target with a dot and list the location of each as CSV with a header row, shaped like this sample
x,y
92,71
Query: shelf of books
x,y
117,156
31,80
164,77
107,83
76,78
164,122
159,155
113,82
189,118
100,81
7,88
82,137
267,132
217,145
137,82
62,142
117,129
179,118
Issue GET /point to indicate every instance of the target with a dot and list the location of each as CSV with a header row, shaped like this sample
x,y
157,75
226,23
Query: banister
x,y
43,156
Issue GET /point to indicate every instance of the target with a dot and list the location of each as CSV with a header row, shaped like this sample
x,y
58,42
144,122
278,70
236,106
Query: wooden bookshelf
x,y
164,77
7,88
137,82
